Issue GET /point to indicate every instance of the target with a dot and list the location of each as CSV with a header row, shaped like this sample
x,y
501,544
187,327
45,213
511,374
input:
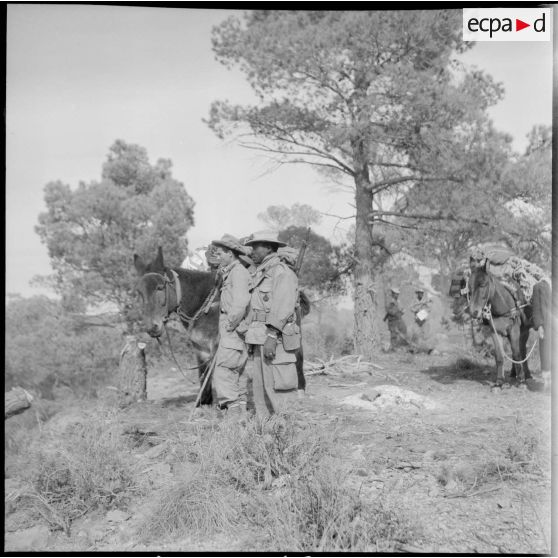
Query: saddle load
x,y
517,274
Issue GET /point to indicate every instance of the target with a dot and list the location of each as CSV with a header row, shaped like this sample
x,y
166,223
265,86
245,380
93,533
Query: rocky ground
x,y
470,466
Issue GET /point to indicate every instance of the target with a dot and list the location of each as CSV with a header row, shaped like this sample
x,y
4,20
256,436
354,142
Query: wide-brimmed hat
x,y
230,242
264,236
395,290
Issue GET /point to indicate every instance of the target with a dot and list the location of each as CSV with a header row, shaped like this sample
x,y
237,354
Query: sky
x,y
79,77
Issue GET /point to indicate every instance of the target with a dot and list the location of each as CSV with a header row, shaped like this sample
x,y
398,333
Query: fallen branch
x,y
16,401
470,494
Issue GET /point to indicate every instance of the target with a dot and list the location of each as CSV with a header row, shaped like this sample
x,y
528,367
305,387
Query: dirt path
x,y
470,467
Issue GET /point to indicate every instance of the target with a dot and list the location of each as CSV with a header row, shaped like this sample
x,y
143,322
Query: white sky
x,y
79,77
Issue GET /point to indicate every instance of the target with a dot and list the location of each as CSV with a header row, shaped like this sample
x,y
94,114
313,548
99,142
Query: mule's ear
x,y
159,263
139,264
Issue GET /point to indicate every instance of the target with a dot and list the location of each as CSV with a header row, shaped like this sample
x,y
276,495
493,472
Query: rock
x,y
361,472
391,396
370,395
34,538
117,516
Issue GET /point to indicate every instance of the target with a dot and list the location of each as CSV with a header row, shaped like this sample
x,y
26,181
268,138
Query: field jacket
x,y
273,298
235,297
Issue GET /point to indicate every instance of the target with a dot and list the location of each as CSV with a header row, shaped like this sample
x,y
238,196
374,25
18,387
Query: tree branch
x,y
428,217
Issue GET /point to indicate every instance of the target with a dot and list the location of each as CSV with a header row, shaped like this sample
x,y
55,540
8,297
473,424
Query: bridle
x,y
189,320
174,283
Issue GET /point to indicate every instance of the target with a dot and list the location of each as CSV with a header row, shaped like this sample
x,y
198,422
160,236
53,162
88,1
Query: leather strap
x,y
177,287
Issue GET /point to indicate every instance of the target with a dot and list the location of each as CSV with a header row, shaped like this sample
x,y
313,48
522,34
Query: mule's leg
x,y
514,338
523,338
499,357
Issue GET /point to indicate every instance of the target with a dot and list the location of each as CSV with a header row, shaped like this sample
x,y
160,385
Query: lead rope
x,y
502,346
174,358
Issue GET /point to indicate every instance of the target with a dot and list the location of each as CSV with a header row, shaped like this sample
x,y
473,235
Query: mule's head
x,y
153,293
479,288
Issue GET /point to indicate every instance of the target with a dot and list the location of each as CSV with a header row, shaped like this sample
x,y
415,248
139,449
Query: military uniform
x,y
273,297
423,324
229,378
396,325
541,304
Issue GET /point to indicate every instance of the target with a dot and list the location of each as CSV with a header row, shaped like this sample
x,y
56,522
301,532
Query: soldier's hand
x,y
541,332
269,347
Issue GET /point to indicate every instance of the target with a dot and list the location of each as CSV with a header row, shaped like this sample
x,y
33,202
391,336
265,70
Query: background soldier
x,y
396,325
541,303
421,309
229,377
272,333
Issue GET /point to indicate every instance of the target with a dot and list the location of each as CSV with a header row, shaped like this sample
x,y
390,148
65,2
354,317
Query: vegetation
x,y
93,231
330,88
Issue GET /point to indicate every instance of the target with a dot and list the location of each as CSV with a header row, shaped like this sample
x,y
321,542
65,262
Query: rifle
x,y
301,252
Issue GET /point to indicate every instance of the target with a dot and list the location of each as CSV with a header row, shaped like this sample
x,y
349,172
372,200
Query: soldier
x,y
396,325
271,330
229,377
541,303
420,309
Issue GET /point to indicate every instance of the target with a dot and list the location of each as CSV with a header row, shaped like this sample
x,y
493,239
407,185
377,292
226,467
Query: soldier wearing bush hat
x,y
421,309
271,330
394,318
229,376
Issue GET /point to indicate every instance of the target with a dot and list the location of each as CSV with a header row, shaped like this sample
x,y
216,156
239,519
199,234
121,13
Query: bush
x,y
285,481
45,349
87,470
327,331
323,513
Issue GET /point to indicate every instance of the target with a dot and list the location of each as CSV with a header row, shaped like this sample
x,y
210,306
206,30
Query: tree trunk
x,y
16,401
132,382
366,336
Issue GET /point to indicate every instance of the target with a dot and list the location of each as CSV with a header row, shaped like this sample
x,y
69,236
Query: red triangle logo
x,y
519,25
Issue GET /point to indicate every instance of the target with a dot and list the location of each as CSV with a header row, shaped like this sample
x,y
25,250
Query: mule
x,y
493,301
159,293
195,299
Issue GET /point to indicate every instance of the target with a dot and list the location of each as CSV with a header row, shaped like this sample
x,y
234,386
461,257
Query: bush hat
x,y
230,242
270,237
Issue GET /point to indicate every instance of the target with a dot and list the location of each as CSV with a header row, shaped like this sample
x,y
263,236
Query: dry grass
x,y
513,460
198,505
284,480
84,470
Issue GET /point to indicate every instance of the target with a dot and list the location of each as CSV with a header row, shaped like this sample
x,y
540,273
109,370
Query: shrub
x,y
285,481
86,470
45,349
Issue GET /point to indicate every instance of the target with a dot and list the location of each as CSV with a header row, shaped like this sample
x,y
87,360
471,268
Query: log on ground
x,y
16,401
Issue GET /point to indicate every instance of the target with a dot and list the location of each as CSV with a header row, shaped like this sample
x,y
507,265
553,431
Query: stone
x,y
35,538
370,395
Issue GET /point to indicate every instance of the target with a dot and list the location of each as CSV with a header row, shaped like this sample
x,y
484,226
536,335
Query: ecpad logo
x,y
507,24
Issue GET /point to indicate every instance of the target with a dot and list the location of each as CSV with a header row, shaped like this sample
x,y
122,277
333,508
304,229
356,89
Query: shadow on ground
x,y
461,369
178,401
